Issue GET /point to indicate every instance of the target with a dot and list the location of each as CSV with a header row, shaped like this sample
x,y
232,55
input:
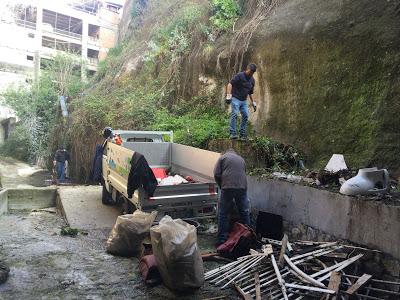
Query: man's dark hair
x,y
252,67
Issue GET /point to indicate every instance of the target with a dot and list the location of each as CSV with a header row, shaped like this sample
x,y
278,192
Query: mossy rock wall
x,y
329,79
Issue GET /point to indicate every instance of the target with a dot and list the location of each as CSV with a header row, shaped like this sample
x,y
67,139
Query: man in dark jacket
x,y
61,158
237,91
230,175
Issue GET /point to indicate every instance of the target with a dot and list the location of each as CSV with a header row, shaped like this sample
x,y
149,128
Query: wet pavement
x,y
45,265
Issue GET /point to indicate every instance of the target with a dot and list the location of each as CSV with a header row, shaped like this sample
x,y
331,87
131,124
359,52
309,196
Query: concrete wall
x,y
3,202
26,199
369,223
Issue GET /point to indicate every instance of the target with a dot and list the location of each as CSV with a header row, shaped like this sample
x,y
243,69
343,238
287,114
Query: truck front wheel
x,y
106,197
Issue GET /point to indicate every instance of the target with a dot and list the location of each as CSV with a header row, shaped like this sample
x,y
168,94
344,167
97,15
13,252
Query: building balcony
x,y
49,29
26,24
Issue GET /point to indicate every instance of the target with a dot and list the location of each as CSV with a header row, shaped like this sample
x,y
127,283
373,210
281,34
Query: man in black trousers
x,y
230,175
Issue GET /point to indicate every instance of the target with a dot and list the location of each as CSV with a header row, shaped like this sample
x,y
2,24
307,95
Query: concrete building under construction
x,y
36,30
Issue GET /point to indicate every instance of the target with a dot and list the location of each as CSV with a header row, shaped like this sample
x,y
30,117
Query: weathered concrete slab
x,y
31,198
82,207
369,223
3,202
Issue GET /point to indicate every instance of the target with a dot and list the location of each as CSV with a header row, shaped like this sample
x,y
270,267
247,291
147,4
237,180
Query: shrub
x,y
225,13
194,128
18,144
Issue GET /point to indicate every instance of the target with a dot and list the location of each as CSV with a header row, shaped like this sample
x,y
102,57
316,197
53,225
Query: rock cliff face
x,y
328,78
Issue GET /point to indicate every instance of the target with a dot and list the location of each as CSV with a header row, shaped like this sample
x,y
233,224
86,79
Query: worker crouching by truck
x,y
230,175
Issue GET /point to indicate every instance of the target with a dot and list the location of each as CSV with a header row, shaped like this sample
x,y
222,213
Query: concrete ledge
x,y
369,223
3,202
31,198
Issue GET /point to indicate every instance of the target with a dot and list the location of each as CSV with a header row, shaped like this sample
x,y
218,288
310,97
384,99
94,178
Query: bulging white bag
x,y
128,233
177,254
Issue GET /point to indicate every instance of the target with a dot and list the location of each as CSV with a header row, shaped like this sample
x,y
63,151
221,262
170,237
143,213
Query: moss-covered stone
x,y
330,80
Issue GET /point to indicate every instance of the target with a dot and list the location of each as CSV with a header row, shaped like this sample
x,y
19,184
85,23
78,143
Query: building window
x,y
93,56
29,57
62,24
93,31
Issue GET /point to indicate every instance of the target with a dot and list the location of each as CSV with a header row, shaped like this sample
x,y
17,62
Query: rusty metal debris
x,y
309,270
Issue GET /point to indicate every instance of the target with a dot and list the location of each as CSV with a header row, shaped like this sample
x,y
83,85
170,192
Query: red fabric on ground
x,y
148,267
239,230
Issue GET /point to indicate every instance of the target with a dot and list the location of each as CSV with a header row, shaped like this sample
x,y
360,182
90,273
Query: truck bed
x,y
186,200
189,200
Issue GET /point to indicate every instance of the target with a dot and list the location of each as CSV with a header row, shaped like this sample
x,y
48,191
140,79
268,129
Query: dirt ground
x,y
46,265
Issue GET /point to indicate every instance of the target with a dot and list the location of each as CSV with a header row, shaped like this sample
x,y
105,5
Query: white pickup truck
x,y
187,200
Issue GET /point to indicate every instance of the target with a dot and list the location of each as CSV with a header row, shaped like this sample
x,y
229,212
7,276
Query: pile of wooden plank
x,y
302,270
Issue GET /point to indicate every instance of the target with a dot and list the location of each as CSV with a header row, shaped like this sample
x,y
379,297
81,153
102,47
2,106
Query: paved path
x,y
83,208
17,174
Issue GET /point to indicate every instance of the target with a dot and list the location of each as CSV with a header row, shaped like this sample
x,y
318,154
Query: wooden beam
x,y
281,259
244,295
257,284
359,284
334,284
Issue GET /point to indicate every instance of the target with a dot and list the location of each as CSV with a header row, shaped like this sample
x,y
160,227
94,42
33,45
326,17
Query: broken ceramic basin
x,y
367,181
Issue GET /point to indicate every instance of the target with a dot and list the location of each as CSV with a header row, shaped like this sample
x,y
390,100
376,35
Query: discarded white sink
x,y
367,181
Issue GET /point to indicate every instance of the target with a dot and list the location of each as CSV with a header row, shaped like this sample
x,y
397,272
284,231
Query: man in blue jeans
x,y
230,175
237,91
61,158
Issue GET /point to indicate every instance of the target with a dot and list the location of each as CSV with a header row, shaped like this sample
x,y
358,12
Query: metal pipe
x,y
229,267
296,257
330,268
279,276
302,274
248,277
229,273
244,270
271,281
265,279
309,288
344,264
262,280
211,272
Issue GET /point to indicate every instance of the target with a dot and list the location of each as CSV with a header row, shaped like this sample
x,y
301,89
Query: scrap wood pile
x,y
302,270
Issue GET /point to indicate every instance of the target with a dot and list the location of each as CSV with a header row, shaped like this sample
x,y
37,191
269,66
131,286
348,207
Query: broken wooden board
x,y
244,295
257,284
334,284
281,259
359,284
